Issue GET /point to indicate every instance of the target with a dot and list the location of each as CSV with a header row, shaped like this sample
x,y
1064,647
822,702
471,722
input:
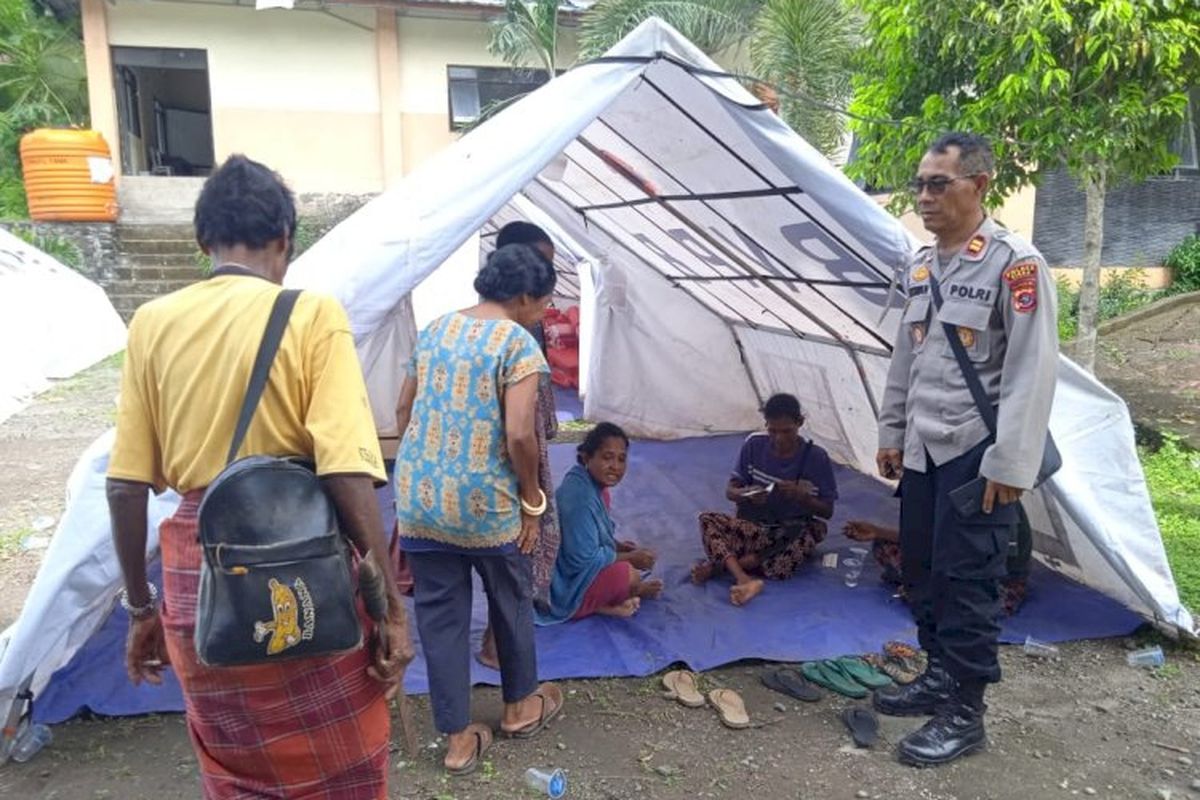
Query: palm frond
x,y
806,48
527,34
712,25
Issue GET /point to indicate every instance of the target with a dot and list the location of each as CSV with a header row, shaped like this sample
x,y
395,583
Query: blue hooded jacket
x,y
588,544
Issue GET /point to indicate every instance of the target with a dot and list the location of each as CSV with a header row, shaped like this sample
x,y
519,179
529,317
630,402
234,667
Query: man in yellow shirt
x,y
312,726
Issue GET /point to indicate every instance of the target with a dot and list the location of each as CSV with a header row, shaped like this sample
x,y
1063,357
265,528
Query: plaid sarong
x,y
313,728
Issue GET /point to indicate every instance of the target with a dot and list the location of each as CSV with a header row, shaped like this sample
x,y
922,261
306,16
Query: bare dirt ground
x,y
1084,724
1155,365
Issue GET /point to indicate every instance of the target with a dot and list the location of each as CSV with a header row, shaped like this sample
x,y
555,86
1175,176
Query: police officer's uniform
x,y
998,295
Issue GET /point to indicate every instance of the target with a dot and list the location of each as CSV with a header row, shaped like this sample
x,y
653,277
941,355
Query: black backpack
x,y
275,581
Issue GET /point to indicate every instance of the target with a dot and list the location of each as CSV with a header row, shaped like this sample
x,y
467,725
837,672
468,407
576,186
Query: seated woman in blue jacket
x,y
594,572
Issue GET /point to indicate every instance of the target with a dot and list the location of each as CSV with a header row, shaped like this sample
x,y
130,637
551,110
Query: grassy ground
x,y
1173,474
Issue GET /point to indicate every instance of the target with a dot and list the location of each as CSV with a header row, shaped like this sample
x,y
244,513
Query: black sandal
x,y
790,682
863,725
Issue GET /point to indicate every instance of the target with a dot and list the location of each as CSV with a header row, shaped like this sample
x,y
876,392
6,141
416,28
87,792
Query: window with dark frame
x,y
1186,144
473,90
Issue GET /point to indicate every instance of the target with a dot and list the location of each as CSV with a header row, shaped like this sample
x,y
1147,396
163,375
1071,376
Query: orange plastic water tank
x,y
68,176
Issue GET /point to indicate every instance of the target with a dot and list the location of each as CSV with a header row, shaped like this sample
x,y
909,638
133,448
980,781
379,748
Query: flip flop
x,y
787,680
832,679
895,670
730,707
863,725
549,712
483,741
681,684
858,670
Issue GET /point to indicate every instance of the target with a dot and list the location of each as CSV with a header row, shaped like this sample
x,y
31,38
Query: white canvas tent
x,y
62,320
717,258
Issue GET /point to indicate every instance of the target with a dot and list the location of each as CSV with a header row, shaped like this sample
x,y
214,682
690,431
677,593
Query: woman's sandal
x,y
483,741
549,712
681,687
730,708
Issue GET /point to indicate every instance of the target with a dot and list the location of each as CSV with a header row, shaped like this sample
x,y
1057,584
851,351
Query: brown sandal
x,y
483,741
551,707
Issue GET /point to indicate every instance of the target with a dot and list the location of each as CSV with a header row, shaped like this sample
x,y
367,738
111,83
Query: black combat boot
x,y
955,730
921,697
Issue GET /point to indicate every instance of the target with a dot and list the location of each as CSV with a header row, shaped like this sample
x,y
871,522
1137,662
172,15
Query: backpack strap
x,y
272,336
986,409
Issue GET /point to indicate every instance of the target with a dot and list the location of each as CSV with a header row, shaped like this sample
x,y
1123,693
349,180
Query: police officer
x,y
998,298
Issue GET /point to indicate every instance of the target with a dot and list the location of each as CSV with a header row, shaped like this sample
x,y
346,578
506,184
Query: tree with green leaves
x,y
1096,87
527,35
805,49
42,82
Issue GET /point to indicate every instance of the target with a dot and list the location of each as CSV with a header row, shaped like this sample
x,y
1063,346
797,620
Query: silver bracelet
x,y
140,612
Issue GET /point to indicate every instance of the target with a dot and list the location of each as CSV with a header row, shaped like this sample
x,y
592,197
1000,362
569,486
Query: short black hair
x,y
244,203
596,438
782,406
515,270
975,154
521,232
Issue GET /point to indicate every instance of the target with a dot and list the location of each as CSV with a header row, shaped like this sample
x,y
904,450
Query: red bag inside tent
x,y
562,345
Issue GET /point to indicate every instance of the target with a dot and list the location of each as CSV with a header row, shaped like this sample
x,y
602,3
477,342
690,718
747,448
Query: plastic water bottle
x,y
551,783
30,742
1148,657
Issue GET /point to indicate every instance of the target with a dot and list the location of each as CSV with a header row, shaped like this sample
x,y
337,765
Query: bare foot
x,y
487,654
701,572
626,609
651,589
743,593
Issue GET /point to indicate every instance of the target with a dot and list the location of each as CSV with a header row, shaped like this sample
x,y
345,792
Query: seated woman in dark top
x,y
595,573
784,488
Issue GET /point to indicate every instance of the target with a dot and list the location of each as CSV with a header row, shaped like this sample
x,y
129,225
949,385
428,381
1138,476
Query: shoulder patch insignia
x,y
976,245
1021,279
920,273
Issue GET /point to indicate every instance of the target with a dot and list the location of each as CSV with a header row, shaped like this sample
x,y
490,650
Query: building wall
x,y
1142,222
298,90
427,47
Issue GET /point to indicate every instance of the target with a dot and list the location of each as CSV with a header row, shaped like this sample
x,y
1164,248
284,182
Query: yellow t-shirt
x,y
188,361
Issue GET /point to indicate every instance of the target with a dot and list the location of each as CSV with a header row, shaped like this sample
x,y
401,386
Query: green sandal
x,y
826,674
858,670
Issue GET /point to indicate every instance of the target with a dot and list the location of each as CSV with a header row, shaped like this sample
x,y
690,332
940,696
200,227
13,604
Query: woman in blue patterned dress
x,y
467,496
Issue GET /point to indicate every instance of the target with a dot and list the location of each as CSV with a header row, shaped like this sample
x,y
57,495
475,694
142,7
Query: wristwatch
x,y
140,612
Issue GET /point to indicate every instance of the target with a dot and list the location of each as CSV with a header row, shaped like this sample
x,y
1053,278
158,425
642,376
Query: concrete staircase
x,y
154,259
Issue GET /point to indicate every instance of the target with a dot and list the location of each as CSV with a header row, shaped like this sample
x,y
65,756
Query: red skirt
x,y
311,728
610,588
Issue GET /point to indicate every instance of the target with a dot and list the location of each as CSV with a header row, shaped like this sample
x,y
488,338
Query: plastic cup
x,y
548,783
859,552
1039,649
853,571
1148,657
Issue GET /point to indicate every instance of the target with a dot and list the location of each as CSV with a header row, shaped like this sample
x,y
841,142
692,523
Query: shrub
x,y
57,247
1184,261
1068,309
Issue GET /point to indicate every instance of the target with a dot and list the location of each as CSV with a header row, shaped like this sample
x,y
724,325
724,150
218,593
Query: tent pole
x,y
736,260
629,248
737,340
725,146
869,330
